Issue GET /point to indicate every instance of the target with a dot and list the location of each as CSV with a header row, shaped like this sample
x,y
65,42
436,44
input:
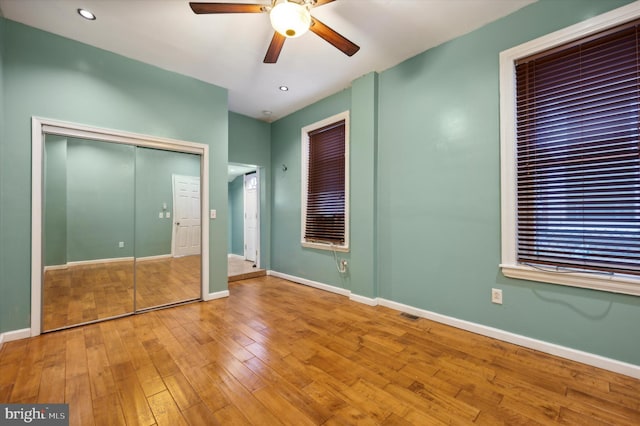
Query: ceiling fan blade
x,y
321,2
201,8
338,41
274,48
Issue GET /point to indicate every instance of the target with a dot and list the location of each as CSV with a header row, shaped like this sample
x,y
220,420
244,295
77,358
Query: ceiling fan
x,y
289,18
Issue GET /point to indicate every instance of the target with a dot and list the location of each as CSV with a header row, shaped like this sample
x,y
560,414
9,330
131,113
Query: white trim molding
x,y
508,196
310,283
364,300
594,360
9,336
304,137
216,295
156,257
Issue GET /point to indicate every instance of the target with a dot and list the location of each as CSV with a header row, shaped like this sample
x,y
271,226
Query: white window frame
x,y
617,283
305,173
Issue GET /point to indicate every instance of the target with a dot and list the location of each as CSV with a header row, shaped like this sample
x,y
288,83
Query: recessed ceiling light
x,y
86,14
266,112
284,88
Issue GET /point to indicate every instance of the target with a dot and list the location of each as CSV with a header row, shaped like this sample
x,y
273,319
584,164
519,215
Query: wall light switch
x,y
212,214
160,215
167,215
121,244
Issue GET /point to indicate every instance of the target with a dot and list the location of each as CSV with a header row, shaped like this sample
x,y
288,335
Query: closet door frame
x,y
41,126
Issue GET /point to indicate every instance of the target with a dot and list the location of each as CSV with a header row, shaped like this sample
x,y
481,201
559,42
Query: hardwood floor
x,y
163,281
93,292
275,352
239,269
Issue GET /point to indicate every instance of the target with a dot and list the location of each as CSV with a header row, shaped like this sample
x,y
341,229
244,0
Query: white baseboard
x,y
364,300
235,256
310,283
157,257
55,267
594,360
216,295
8,336
99,261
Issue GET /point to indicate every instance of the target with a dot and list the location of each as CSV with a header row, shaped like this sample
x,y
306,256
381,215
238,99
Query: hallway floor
x,y
240,269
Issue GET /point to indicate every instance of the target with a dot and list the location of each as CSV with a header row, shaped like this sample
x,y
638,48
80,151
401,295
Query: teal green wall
x,y
100,200
250,143
90,204
54,223
236,213
49,76
287,255
439,194
425,200
363,151
154,187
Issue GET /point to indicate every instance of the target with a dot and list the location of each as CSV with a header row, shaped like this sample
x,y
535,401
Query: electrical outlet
x,y
496,296
121,244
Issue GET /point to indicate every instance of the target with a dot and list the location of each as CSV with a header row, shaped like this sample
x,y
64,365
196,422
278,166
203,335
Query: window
x,y
571,158
325,184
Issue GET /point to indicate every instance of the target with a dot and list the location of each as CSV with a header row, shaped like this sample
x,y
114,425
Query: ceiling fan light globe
x,y
290,19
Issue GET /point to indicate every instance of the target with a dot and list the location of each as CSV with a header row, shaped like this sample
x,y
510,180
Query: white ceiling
x,y
235,170
227,50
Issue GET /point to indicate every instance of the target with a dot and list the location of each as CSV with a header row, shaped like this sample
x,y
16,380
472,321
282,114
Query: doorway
x,y
244,194
186,214
251,217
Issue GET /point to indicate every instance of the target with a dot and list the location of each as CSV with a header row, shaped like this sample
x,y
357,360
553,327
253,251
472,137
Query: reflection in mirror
x,y
167,227
88,232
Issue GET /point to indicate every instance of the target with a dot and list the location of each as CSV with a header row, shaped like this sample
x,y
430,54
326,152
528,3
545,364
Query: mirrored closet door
x,y
121,229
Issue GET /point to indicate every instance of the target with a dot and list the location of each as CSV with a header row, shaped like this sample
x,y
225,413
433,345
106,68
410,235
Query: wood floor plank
x,y
230,415
134,404
107,411
241,398
165,410
150,380
181,390
276,403
200,415
276,353
52,380
78,396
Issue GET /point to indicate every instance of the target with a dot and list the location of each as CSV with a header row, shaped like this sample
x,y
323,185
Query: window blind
x,y
325,215
578,165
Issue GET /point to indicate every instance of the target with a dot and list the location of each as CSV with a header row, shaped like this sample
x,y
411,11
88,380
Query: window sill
x,y
324,246
614,283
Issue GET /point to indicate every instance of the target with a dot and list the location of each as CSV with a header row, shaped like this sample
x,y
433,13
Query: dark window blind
x,y
325,218
578,165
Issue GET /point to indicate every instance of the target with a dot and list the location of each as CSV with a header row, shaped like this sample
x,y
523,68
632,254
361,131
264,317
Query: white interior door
x,y
251,217
186,215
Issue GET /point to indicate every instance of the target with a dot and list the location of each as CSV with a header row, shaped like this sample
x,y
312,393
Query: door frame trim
x,y
41,125
244,216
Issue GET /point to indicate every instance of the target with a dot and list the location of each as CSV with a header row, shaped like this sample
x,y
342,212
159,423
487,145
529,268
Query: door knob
x,y
178,223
